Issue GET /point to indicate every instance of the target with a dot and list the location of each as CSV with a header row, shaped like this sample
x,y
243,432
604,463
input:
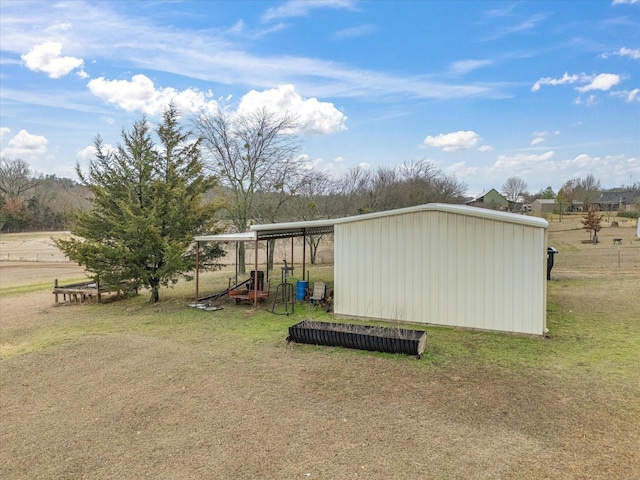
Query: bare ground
x,y
127,403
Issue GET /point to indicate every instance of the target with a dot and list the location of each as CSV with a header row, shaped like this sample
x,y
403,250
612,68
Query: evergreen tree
x,y
147,206
548,193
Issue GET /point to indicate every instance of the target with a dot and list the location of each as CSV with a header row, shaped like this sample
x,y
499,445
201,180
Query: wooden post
x,y
55,286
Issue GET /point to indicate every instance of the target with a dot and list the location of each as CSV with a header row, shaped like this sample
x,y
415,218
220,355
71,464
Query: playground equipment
x,y
285,292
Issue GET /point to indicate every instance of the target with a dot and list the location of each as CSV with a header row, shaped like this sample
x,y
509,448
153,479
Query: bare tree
x,y
568,193
249,153
350,191
15,182
588,190
15,178
314,201
423,183
514,189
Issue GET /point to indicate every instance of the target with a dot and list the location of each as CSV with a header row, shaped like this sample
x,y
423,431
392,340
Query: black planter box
x,y
362,337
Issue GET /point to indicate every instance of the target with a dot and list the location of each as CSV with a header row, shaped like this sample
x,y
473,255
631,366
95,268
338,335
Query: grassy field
x,y
132,390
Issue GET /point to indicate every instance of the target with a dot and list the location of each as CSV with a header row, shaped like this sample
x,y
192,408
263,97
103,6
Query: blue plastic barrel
x,y
301,289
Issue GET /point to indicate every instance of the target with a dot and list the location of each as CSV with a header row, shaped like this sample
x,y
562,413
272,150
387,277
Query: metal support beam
x,y
255,277
304,252
197,270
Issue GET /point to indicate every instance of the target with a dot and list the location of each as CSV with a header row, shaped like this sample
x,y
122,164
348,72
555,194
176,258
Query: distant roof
x,y
622,196
483,194
545,200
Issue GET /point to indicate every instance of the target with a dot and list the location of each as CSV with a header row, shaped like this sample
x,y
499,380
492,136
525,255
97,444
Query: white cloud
x,y
591,100
566,78
47,58
26,146
628,95
140,94
537,140
620,2
485,148
604,82
524,26
301,8
461,171
634,95
89,152
315,117
633,53
520,161
609,166
212,55
355,32
453,142
466,66
4,131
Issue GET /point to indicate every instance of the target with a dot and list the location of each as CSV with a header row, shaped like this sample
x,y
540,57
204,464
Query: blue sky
x,y
544,90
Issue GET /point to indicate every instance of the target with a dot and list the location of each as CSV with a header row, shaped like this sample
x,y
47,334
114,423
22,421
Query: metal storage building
x,y
435,264
543,205
443,265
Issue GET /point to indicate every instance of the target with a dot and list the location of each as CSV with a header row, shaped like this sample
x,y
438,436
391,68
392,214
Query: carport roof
x,y
274,231
326,226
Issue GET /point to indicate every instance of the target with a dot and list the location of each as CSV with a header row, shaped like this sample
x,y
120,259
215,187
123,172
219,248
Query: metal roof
x,y
294,229
227,237
326,226
457,209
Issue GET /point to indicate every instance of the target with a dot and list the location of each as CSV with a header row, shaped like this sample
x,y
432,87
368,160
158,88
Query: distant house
x,y
616,200
543,205
491,199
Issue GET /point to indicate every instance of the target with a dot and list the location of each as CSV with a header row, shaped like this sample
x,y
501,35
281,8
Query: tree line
x,y
136,208
37,202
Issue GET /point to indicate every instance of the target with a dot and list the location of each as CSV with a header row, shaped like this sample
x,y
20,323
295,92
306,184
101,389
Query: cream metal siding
x,y
451,267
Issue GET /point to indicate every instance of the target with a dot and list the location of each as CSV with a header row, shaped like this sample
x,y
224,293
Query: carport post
x,y
197,269
304,252
237,260
255,277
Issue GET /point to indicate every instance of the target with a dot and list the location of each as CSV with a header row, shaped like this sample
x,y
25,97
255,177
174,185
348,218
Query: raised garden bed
x,y
362,337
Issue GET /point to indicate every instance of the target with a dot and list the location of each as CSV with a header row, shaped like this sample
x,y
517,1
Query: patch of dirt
x,y
16,274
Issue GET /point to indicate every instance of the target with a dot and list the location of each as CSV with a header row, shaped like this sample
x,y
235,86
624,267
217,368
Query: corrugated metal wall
x,y
442,268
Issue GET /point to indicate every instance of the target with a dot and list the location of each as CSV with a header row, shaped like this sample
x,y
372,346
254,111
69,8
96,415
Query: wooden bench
x,y
617,240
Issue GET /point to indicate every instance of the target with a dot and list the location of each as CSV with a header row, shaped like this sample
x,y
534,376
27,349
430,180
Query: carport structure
x,y
437,264
261,233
